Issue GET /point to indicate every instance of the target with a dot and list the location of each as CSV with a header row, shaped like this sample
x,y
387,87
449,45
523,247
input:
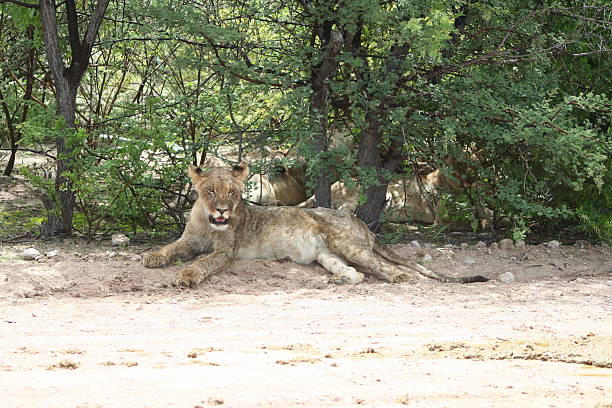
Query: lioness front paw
x,y
188,277
154,260
348,276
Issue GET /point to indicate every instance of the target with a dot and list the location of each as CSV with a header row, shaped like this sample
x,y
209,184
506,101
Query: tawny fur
x,y
222,228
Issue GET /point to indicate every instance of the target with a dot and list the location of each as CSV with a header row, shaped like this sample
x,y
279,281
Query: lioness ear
x,y
240,171
195,173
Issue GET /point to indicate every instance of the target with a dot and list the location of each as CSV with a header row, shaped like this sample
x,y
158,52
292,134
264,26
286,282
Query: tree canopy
x,y
510,98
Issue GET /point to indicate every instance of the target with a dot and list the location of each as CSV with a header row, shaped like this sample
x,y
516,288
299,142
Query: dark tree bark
x,y
13,136
369,155
13,133
332,42
66,80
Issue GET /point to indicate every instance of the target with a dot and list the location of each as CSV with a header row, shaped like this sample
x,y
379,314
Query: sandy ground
x,y
90,327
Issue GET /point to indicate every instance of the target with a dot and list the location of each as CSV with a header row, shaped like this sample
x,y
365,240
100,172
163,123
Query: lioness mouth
x,y
218,220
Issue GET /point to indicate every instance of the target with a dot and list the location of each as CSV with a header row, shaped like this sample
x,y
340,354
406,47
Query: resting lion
x,y
222,228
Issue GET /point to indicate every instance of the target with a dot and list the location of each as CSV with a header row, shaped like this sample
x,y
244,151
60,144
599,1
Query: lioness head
x,y
219,191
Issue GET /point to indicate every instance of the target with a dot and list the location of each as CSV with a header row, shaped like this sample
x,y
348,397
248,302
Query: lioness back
x,y
295,233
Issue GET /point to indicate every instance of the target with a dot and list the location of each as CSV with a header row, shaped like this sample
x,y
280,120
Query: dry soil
x,y
90,327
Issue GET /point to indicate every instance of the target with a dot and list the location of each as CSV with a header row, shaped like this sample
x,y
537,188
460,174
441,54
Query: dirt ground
x,y
85,325
88,326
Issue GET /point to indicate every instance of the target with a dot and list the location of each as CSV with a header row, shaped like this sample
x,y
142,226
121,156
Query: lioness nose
x,y
222,210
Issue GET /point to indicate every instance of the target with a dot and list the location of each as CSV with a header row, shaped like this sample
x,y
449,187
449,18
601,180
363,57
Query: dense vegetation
x,y
513,96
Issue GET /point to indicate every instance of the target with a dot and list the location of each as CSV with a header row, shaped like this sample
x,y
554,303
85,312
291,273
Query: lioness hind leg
x,y
365,258
342,273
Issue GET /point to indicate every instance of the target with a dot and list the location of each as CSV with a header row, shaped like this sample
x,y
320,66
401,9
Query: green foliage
x,y
520,230
512,98
15,222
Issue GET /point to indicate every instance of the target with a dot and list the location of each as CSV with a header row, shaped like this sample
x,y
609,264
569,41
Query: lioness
x,y
223,228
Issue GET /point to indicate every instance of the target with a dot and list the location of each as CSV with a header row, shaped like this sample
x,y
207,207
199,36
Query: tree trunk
x,y
13,135
370,157
66,81
323,181
66,99
8,170
332,44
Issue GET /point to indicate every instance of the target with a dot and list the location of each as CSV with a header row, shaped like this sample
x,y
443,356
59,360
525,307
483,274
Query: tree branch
x,y
21,3
73,29
49,24
94,26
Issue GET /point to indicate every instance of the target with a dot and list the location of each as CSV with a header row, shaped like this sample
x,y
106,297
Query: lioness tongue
x,y
220,219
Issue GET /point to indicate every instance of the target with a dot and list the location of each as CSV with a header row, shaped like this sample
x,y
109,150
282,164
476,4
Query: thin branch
x,y
21,3
23,149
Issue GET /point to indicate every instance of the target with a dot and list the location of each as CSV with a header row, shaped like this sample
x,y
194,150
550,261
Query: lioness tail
x,y
395,258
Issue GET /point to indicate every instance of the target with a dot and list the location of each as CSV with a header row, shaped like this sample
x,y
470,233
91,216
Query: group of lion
x,y
408,199
222,228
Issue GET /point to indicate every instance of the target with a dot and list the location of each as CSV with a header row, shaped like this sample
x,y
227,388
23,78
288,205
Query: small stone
x,y
480,244
507,277
519,244
111,254
494,245
449,246
469,261
30,254
415,243
119,240
553,244
581,243
506,244
464,246
53,254
136,258
426,258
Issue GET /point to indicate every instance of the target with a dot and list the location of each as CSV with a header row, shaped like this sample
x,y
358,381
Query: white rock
x,y
415,243
119,240
507,277
506,244
553,244
53,254
519,244
494,245
136,258
30,254
481,244
464,245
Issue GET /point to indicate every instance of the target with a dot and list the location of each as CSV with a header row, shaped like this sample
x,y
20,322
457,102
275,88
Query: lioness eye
x,y
232,191
211,192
